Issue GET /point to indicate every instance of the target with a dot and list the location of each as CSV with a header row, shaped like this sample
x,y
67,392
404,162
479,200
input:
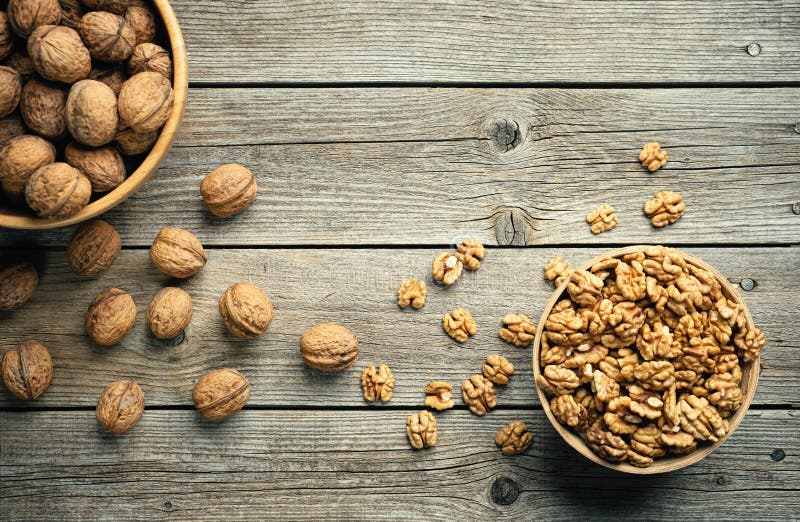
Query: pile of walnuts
x,y
82,85
644,356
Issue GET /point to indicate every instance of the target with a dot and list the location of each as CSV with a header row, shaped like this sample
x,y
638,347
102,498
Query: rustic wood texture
x,y
303,41
359,289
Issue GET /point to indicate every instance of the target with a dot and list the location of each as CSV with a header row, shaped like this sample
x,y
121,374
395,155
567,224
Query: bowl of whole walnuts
x,y
646,359
92,93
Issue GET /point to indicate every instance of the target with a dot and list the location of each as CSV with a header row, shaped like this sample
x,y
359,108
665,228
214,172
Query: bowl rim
x,y
155,156
663,465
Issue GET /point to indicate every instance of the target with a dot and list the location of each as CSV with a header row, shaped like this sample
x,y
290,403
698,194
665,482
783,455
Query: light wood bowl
x,y
664,464
23,219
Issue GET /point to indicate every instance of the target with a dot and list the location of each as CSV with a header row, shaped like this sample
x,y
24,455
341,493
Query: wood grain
x,y
357,287
332,465
393,41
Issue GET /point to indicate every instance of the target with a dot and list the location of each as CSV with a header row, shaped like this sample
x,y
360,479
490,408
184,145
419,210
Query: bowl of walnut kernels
x,y
646,359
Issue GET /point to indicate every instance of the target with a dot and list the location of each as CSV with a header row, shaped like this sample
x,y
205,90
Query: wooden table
x,y
382,133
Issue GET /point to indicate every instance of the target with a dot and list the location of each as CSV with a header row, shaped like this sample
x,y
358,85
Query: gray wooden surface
x,y
382,132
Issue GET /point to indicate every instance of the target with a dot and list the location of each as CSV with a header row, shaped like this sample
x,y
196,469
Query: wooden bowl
x,y
664,464
22,219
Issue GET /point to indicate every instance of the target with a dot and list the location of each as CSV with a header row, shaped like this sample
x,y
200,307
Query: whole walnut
x,y
18,283
92,113
110,317
109,37
44,108
103,166
23,155
21,62
329,347
145,101
26,15
10,90
10,127
220,393
93,248
169,313
6,36
57,191
71,13
132,143
229,190
177,253
27,370
150,57
58,54
246,310
120,407
113,76
143,22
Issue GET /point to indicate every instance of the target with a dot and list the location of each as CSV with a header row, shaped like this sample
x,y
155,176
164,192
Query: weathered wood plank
x,y
325,465
518,166
357,288
473,41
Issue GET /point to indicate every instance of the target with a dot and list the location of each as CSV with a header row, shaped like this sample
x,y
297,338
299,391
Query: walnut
x,y
664,264
23,155
58,54
605,388
513,439
150,57
18,283
621,425
517,330
103,166
569,412
71,13
10,127
657,342
110,317
177,253
557,270
109,37
606,444
246,310
112,6
459,324
132,143
602,219
646,441
10,90
228,190
700,419
421,430
145,101
43,107
557,381
169,313
749,342
652,157
412,292
644,403
564,325
438,395
470,252
725,394
6,36
665,208
446,268
584,288
378,385
220,393
655,375
22,63
26,15
27,370
498,369
93,248
329,347
113,76
627,319
631,281
143,22
92,113
479,395
57,191
679,442
120,407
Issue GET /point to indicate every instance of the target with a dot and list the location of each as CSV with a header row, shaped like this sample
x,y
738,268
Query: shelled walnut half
x,y
439,395
421,430
412,292
378,385
446,268
517,330
514,438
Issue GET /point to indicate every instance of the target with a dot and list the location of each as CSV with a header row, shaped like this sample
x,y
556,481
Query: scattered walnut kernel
x,y
421,430
557,270
478,393
438,395
446,268
378,385
459,324
652,156
470,252
514,438
498,369
602,219
412,292
517,330
665,208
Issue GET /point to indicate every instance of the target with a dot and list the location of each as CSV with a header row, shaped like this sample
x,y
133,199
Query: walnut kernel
x,y
478,393
665,208
517,330
412,292
446,268
438,395
421,430
378,385
498,369
557,270
652,157
27,370
514,439
470,252
602,219
459,324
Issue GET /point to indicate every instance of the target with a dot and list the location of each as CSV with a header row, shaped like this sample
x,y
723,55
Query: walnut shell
x,y
110,317
26,15
113,76
145,101
23,155
21,62
120,406
6,36
27,370
329,347
169,313
103,166
109,37
92,113
150,57
143,22
18,283
177,253
229,190
246,310
10,127
57,191
132,143
93,248
71,13
220,393
44,108
10,90
58,54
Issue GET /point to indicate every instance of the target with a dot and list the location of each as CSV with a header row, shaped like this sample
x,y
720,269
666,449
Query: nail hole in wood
x,y
721,481
753,49
504,491
168,505
747,284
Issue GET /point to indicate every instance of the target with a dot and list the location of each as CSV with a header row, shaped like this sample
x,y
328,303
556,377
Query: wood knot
x,y
721,481
796,208
175,341
513,228
505,134
747,284
168,505
777,455
753,49
504,491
